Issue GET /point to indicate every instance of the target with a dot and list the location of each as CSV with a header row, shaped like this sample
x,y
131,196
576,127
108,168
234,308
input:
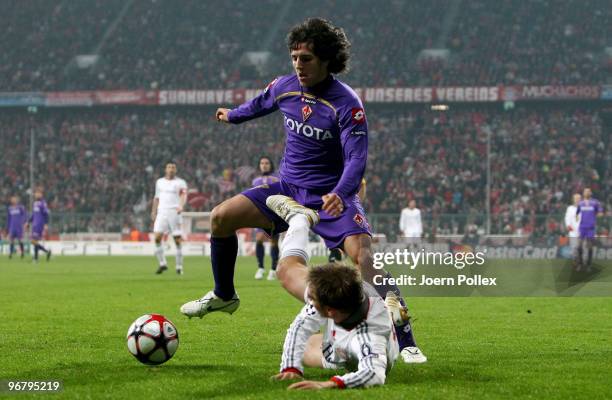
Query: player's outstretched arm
x,y
222,114
307,323
263,104
313,385
286,376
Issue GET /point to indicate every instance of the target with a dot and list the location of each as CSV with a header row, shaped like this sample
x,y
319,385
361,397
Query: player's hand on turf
x,y
286,376
222,114
312,385
332,204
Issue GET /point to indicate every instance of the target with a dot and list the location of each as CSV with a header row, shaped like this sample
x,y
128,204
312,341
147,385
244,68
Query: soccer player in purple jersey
x,y
266,169
587,211
15,221
39,220
324,162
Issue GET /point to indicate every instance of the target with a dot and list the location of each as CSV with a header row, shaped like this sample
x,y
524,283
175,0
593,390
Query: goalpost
x,y
196,222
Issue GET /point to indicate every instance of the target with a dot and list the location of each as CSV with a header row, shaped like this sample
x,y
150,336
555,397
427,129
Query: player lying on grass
x,y
322,168
357,332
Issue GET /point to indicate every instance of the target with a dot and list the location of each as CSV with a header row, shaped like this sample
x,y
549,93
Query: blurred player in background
x,y
266,169
168,204
16,219
411,224
572,222
587,211
357,332
324,161
39,220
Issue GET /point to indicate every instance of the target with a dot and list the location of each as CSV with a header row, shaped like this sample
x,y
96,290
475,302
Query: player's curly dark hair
x,y
336,285
329,43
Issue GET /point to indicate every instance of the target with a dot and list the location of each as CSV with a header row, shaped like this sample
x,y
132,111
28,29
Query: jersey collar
x,y
320,87
358,316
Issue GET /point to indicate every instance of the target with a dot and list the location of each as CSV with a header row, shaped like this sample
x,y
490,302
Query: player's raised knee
x,y
220,220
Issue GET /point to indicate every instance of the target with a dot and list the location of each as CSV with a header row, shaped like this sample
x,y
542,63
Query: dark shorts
x,y
16,234
587,232
333,230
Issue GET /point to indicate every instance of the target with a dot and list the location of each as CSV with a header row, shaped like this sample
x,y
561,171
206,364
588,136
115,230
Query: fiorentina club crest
x,y
360,220
306,112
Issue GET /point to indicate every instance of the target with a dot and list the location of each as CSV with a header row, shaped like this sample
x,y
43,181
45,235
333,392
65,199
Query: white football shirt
x,y
368,351
168,191
572,221
410,222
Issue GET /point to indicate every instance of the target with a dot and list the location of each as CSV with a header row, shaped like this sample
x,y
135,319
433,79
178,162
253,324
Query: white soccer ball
x,y
152,339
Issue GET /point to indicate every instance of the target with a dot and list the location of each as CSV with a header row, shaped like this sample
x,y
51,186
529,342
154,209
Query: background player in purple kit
x,y
39,220
266,169
15,221
587,211
322,168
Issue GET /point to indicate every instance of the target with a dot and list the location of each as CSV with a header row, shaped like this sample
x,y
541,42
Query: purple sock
x,y
223,252
404,333
259,253
405,337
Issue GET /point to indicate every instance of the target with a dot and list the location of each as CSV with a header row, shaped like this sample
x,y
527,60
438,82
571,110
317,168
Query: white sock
x,y
295,242
159,253
179,257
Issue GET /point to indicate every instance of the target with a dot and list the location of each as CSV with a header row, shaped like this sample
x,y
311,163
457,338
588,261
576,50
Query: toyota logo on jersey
x,y
358,115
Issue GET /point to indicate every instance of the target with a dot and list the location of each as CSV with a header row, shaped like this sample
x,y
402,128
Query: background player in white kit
x,y
357,332
410,224
170,197
572,223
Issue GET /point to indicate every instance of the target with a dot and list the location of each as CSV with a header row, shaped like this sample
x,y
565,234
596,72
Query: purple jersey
x,y
16,219
40,215
265,180
327,133
588,210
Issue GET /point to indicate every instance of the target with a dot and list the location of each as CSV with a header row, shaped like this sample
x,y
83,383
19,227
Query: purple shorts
x,y
333,230
36,234
586,232
16,234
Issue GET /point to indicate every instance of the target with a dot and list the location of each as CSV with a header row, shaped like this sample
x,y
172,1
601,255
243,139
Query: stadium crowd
x,y
203,44
106,161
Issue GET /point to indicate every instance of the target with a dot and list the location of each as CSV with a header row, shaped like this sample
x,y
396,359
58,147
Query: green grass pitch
x,y
67,320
